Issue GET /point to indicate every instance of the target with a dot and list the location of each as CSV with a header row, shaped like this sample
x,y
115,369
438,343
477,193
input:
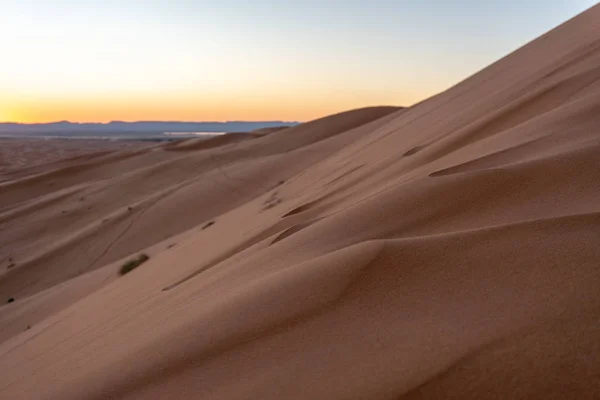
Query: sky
x,y
218,60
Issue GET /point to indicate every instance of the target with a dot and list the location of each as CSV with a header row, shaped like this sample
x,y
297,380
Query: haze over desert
x,y
444,250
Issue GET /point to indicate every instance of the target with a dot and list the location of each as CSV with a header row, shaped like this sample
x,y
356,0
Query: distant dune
x,y
28,156
266,131
449,250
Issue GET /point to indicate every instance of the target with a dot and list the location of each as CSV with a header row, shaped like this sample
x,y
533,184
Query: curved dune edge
x,y
446,250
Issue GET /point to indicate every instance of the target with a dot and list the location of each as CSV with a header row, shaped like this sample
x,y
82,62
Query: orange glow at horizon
x,y
256,107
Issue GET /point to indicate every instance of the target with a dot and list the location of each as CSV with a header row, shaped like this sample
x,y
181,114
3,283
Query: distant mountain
x,y
141,127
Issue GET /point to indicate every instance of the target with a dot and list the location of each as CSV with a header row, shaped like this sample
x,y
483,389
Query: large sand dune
x,y
447,250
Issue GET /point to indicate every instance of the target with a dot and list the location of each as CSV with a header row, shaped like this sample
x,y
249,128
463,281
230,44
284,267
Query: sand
x,y
446,250
20,157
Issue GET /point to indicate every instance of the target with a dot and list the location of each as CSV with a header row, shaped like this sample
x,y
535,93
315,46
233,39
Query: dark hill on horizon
x,y
139,127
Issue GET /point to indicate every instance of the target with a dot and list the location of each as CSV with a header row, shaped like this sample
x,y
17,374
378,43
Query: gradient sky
x,y
102,60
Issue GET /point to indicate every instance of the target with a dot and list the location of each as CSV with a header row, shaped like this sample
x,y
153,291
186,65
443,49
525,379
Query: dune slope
x,y
447,250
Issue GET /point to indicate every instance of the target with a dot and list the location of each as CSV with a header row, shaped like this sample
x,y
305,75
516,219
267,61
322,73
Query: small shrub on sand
x,y
208,225
133,264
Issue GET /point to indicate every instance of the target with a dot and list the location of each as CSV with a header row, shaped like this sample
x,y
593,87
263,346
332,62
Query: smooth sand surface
x,y
447,250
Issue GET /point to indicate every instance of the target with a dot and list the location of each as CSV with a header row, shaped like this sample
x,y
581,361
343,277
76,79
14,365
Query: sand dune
x,y
446,250
22,157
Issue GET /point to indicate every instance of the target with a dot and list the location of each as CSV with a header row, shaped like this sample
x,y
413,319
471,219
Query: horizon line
x,y
146,121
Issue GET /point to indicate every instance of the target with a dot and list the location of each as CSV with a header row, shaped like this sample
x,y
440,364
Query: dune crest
x,y
446,250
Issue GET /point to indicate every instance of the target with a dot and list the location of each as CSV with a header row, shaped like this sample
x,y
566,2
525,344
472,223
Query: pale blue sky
x,y
234,59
